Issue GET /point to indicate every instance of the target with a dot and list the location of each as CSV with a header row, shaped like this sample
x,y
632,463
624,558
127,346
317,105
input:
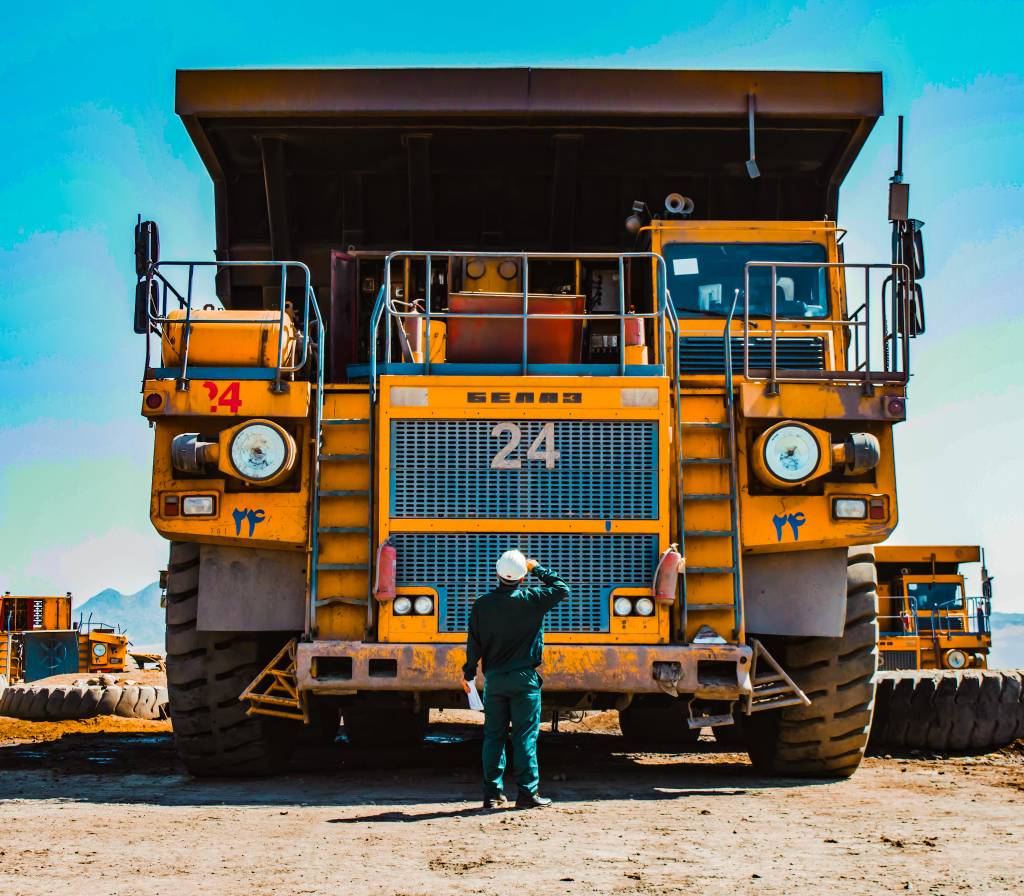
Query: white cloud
x,y
121,558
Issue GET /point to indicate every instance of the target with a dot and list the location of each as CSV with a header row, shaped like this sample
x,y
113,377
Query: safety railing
x,y
972,617
386,305
897,625
166,293
863,332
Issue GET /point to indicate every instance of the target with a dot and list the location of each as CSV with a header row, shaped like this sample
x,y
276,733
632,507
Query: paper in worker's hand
x,y
474,697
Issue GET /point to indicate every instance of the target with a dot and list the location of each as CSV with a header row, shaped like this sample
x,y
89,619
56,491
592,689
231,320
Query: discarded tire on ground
x,y
68,702
971,711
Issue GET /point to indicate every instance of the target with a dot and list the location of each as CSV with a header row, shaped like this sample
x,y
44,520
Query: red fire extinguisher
x,y
387,571
666,577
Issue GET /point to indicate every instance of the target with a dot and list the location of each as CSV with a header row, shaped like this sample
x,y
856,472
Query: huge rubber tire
x,y
206,671
67,702
828,738
970,711
384,727
658,721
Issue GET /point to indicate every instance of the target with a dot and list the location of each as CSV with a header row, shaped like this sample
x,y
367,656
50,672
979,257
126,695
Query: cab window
x,y
935,596
703,279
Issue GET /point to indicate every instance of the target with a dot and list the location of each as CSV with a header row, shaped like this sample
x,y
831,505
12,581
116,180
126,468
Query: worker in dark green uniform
x,y
505,634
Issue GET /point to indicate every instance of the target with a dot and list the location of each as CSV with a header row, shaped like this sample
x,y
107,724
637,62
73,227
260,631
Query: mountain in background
x,y
139,614
143,618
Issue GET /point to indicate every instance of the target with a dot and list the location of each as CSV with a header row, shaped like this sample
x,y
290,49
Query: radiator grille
x,y
706,354
461,567
896,660
442,469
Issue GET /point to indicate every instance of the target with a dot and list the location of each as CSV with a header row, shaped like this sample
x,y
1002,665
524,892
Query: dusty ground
x,y
101,807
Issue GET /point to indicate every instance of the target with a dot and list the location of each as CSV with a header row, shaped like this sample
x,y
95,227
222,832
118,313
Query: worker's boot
x,y
527,800
495,802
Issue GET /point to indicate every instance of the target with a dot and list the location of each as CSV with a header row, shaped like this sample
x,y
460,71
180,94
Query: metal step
x,y
704,607
708,533
699,424
690,461
710,570
343,530
341,599
717,496
345,421
346,493
343,567
342,457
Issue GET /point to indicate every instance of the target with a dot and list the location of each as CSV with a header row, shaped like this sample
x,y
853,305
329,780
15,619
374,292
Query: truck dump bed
x,y
306,161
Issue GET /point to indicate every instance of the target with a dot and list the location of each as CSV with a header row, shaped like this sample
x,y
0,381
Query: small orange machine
x,y
35,633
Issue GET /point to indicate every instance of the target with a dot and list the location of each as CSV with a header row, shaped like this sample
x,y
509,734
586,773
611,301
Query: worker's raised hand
x,y
530,564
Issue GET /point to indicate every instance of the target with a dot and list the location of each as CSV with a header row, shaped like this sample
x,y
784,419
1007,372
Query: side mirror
x,y
918,250
917,318
147,246
145,304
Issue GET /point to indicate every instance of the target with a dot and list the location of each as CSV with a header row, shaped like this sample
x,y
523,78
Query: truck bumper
x,y
711,671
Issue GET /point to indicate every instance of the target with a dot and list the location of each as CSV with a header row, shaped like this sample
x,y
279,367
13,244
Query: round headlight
x,y
401,606
644,606
956,659
99,650
623,606
791,453
423,605
259,451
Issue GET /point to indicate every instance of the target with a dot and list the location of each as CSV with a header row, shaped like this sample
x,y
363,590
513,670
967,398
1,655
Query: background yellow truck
x,y
428,336
927,617
38,639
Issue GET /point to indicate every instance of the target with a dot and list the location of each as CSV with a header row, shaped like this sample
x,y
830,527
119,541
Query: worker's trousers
x,y
511,697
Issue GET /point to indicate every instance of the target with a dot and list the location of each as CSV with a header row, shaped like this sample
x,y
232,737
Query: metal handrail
x,y
737,594
385,302
673,320
156,321
897,373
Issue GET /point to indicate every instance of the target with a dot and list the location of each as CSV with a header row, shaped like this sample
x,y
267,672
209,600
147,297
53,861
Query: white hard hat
x,y
511,566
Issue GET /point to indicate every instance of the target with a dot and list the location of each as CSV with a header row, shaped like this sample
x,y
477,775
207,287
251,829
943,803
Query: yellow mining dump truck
x,y
927,619
38,639
427,337
935,690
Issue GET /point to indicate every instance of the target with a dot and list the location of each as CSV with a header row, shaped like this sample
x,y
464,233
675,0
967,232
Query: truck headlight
x,y
261,452
644,606
99,651
956,659
622,606
791,453
423,605
401,606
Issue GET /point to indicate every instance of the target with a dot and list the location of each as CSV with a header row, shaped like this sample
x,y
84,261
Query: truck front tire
x,y
828,738
206,671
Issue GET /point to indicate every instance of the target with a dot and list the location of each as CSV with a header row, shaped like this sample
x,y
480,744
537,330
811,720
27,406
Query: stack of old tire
x,y
98,697
971,711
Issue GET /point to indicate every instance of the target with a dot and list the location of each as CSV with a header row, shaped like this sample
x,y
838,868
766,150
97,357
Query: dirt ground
x,y
102,807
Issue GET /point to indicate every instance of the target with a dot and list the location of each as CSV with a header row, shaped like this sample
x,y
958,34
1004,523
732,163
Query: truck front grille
x,y
896,660
706,354
460,566
606,470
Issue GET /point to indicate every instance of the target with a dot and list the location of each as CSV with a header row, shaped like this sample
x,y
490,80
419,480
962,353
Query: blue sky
x,y
91,138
